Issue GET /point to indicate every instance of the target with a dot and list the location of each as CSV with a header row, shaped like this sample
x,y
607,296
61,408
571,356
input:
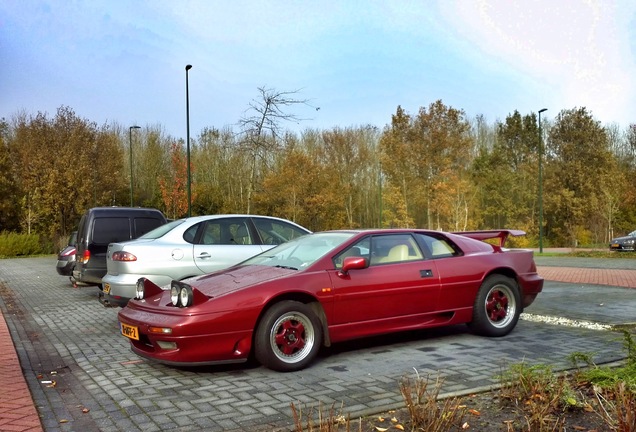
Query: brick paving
x,y
593,276
62,335
17,412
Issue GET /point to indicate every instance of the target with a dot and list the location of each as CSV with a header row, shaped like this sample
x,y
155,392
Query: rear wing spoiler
x,y
502,235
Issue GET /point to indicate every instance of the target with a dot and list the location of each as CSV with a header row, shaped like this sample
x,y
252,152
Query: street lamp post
x,y
187,68
541,183
131,161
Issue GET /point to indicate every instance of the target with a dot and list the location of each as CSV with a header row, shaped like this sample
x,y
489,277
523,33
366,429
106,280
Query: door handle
x,y
426,273
205,255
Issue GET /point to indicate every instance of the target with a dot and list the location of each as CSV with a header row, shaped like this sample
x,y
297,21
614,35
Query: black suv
x,y
101,226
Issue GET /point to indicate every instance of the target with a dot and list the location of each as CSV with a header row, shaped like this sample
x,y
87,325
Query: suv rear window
x,y
144,225
110,230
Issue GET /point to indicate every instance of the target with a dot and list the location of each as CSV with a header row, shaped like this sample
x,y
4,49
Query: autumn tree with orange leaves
x,y
173,188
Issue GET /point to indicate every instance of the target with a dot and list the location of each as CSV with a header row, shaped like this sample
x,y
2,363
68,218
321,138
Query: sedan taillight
x,y
123,256
69,252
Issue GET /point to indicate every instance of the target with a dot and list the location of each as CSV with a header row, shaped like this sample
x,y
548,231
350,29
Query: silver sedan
x,y
189,247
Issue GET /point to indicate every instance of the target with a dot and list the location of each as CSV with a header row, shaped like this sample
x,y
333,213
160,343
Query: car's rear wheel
x,y
497,306
288,336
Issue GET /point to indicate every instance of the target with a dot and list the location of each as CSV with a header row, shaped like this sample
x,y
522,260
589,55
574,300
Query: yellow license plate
x,y
615,245
129,331
106,288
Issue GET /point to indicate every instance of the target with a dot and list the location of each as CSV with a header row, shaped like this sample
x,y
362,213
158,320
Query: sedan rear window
x,y
162,230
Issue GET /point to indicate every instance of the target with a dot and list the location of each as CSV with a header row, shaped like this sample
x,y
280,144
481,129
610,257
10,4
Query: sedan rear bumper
x,y
65,267
119,289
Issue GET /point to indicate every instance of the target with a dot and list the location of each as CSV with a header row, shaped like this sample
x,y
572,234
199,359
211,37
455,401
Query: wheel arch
x,y
508,272
300,297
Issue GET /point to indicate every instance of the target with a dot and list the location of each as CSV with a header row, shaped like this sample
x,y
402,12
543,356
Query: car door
x,y
223,242
460,276
399,289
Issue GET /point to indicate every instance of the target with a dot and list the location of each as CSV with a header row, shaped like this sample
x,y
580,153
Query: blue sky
x,y
124,61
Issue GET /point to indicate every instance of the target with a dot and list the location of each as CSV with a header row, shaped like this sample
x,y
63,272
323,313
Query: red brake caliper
x,y
496,306
290,337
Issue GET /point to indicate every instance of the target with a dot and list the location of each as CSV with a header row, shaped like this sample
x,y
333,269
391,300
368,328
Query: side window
x,y
360,249
240,234
81,231
211,234
274,232
110,229
394,248
438,247
229,231
190,234
144,225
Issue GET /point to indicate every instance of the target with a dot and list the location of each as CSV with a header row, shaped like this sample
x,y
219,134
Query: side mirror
x,y
353,263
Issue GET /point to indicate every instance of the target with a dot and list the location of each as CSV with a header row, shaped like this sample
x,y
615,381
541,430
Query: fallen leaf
x,y
85,410
379,429
394,420
399,426
474,412
465,425
63,421
381,419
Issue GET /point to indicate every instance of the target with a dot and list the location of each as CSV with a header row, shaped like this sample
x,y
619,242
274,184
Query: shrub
x,y
15,245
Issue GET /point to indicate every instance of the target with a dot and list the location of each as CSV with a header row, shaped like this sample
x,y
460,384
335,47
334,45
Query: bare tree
x,y
261,128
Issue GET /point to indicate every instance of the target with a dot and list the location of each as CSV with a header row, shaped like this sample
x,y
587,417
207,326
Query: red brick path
x,y
17,412
594,276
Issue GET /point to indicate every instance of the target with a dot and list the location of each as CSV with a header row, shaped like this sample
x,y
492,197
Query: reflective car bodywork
x,y
286,303
626,243
66,257
100,226
190,247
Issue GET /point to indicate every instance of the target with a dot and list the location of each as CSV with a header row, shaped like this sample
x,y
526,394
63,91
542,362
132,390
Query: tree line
x,y
435,169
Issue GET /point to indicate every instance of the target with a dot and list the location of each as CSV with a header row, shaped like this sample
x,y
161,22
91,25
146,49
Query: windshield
x,y
301,252
162,230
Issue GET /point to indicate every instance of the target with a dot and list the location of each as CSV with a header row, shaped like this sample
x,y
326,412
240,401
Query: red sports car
x,y
283,305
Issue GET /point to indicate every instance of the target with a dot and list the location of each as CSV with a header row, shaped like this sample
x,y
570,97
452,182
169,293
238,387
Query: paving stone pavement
x,y
83,376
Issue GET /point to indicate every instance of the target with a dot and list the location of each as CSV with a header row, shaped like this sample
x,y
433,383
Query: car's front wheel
x,y
288,337
497,306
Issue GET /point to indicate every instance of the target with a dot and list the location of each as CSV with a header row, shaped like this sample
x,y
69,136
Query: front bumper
x,y
622,247
188,345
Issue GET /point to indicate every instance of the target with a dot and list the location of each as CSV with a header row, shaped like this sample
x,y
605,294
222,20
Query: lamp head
x,y
188,67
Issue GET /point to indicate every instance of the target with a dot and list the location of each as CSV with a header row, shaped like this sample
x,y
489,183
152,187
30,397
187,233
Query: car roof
x,y
229,215
386,230
122,210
